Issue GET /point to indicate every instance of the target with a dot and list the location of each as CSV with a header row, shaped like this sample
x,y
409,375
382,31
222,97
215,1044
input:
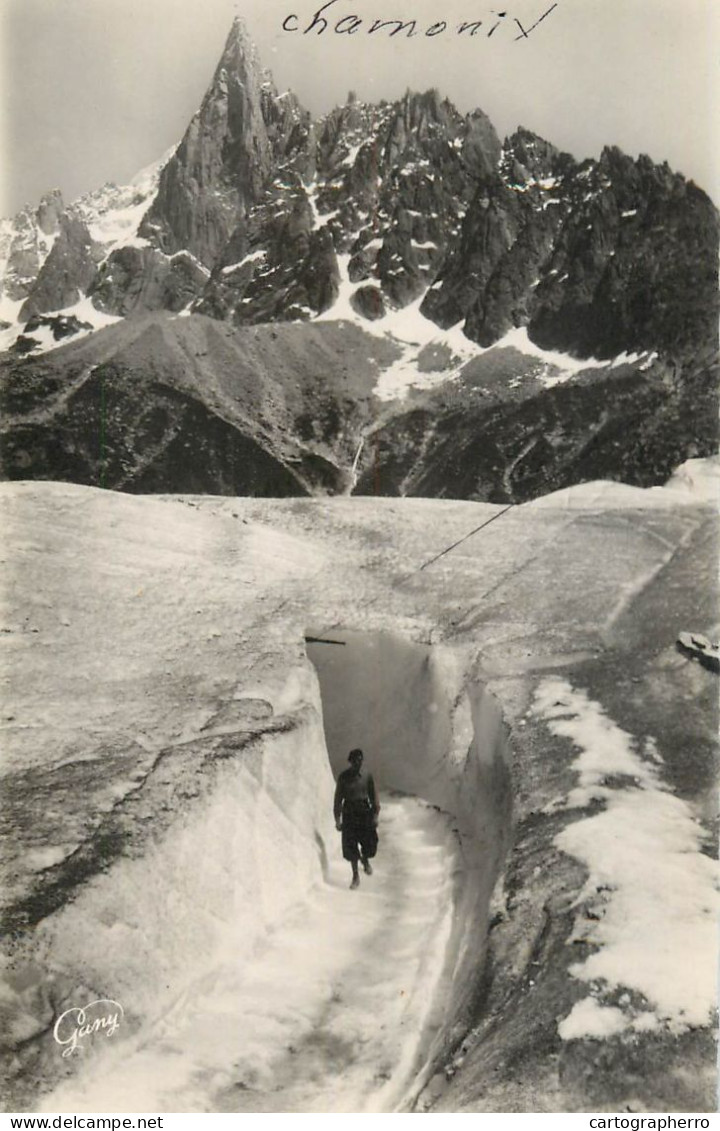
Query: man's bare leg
x,y
367,866
356,875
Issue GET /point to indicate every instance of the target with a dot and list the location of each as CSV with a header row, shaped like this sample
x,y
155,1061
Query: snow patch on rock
x,y
43,336
589,1020
563,365
652,889
409,328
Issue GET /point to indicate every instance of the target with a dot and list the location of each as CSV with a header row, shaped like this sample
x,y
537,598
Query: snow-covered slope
x,y
113,213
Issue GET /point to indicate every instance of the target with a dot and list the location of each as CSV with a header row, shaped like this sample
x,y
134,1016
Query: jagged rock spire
x,y
225,158
240,51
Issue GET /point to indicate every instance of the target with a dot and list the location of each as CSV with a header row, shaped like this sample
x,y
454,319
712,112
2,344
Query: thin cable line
x,y
464,539
401,581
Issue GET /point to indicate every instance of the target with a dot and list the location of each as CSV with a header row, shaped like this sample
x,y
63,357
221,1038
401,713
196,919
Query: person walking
x,y
356,810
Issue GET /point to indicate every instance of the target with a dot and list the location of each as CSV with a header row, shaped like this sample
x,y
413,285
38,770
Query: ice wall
x,y
223,874
247,847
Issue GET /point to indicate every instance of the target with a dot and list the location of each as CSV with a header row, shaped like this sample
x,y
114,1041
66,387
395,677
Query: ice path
x,y
331,1016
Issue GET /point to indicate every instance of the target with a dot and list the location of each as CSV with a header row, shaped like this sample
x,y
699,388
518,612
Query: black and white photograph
x,y
359,549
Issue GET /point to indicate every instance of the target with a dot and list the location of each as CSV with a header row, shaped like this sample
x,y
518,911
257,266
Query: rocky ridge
x,y
51,255
262,214
25,243
163,403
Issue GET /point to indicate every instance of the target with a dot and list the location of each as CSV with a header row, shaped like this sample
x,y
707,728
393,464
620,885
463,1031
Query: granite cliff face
x,y
394,217
222,166
69,270
25,243
598,258
379,193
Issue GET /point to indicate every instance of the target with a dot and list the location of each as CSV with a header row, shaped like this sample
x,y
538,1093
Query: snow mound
x,y
697,481
694,483
590,1021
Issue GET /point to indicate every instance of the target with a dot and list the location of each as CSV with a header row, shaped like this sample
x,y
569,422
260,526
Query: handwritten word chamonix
x,y
328,20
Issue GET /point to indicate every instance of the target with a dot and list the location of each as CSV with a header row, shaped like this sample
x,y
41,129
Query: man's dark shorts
x,y
359,835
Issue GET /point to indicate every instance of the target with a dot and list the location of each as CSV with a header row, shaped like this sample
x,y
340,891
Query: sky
x,y
96,89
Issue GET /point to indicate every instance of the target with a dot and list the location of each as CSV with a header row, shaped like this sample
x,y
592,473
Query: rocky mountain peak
x,y
26,242
420,108
239,43
527,156
262,214
481,145
225,158
49,211
68,270
240,61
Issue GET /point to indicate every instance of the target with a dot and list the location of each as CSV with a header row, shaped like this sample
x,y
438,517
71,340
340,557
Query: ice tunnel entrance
x,y
423,731
430,732
383,694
